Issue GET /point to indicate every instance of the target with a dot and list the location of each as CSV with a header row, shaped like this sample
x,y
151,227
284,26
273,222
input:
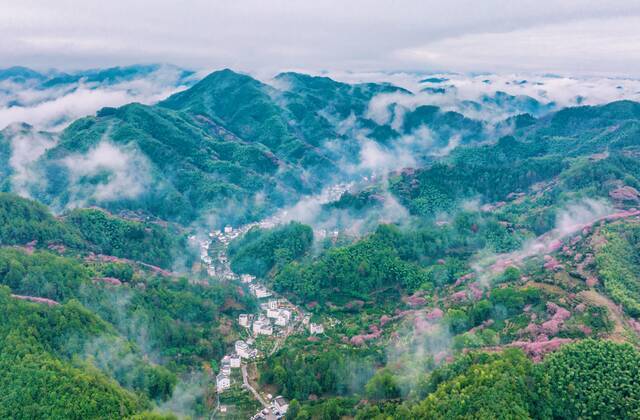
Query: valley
x,y
306,248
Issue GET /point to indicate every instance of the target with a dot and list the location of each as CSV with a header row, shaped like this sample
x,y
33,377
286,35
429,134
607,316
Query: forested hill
x,y
90,231
597,155
230,145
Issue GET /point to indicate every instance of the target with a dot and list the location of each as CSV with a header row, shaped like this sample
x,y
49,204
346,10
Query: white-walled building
x,y
272,313
247,278
228,229
273,304
242,349
283,318
281,404
259,291
262,326
222,382
234,361
316,328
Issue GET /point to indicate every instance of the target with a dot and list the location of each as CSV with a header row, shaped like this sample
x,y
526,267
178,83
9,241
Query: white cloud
x,y
555,91
123,174
259,36
26,147
593,46
53,108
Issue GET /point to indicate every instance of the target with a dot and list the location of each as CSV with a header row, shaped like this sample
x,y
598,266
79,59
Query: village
x,y
264,331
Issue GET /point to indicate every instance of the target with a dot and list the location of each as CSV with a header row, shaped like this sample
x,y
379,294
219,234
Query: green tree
x,y
383,385
293,410
591,379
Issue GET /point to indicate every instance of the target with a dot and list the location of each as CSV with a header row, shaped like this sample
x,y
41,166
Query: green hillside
x,y
474,269
230,147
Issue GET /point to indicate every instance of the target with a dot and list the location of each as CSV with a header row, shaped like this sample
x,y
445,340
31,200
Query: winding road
x,y
247,385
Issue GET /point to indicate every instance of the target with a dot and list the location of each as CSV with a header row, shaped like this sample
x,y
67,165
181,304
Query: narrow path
x,y
247,385
215,410
615,313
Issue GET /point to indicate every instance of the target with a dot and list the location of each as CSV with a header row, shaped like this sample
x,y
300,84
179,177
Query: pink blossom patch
x,y
34,299
537,350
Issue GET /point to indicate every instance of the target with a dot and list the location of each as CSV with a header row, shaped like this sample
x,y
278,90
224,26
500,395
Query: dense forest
x,y
260,250
91,230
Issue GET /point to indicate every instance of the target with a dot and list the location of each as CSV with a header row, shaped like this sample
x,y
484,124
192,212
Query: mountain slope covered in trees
x,y
474,268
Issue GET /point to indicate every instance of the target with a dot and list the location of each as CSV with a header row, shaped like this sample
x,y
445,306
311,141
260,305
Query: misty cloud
x,y
570,220
26,147
54,107
482,97
116,172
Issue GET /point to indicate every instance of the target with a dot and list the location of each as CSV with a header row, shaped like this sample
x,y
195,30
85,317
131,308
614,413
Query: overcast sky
x,y
571,37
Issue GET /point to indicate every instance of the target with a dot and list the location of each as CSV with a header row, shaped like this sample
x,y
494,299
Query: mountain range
x,y
223,145
435,261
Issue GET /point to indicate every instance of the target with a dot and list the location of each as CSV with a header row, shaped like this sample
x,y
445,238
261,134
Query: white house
x,y
225,366
234,361
316,328
281,404
222,382
262,293
283,317
247,278
257,325
259,291
228,229
272,313
262,326
273,304
242,349
266,329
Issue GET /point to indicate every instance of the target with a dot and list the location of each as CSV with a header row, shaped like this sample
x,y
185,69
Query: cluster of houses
x,y
223,379
274,312
226,235
276,410
243,350
262,324
219,267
